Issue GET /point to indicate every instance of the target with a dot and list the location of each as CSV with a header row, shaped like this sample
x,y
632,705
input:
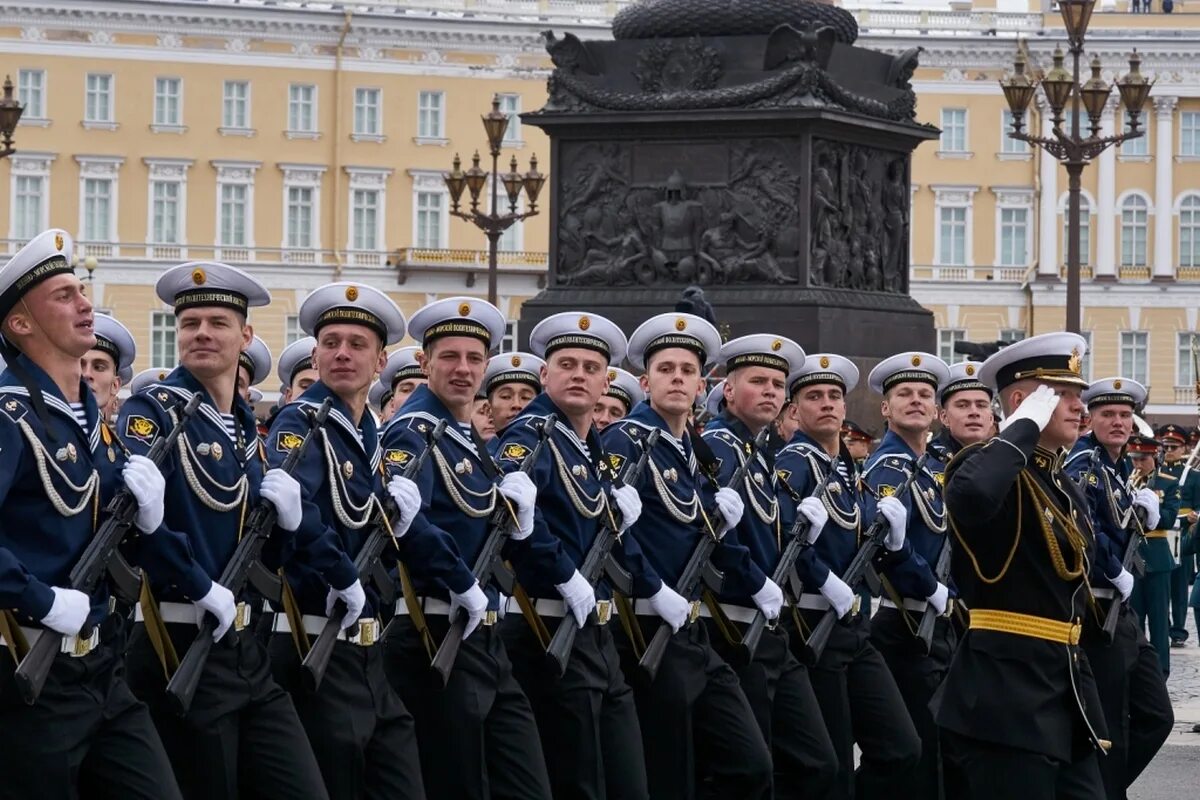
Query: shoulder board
x,y
1167,475
1078,454
723,435
633,429
161,396
12,407
419,421
898,461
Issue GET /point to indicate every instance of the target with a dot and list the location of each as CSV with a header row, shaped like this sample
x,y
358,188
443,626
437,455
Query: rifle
x,y
697,564
503,520
595,562
99,558
929,616
797,543
815,646
1129,561
257,529
366,563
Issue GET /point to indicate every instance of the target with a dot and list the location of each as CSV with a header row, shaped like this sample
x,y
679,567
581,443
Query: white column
x,y
1105,260
1048,260
1164,194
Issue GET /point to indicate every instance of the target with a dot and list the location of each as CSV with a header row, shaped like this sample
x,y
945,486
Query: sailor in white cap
x,y
705,708
510,382
623,393
1020,662
714,401
478,734
254,365
378,397
295,369
147,377
402,375
214,477
850,675
52,486
966,410
103,365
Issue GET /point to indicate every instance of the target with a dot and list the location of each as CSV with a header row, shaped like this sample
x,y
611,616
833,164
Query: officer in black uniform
x,y
623,393
1019,702
86,732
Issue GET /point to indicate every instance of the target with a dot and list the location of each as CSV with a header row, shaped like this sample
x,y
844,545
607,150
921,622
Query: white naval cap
x,y
126,375
354,303
912,366
210,283
379,394
964,376
625,387
256,360
674,329
255,396
1048,357
296,357
115,339
714,403
147,377
458,316
401,365
46,255
578,329
1114,391
513,368
762,350
824,368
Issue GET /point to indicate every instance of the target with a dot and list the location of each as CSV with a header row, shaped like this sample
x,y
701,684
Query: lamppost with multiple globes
x,y
1072,147
10,114
494,223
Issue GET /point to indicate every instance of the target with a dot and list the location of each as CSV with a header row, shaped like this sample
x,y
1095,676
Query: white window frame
x,y
512,332
945,145
368,179
1188,208
101,168
947,196
1148,209
1013,199
1138,148
247,128
292,332
1131,371
109,121
159,327
296,132
432,182
35,112
302,176
1183,357
512,134
240,173
1010,147
168,170
1085,367
28,164
1011,335
946,337
163,123
376,134
427,136
1189,133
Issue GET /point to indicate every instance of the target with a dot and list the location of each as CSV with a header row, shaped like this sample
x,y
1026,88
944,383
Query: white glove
x,y
219,603
408,502
1039,407
939,598
1124,583
629,503
730,506
68,612
474,602
355,599
517,487
148,487
671,606
897,520
838,594
1148,499
579,596
769,599
816,514
284,493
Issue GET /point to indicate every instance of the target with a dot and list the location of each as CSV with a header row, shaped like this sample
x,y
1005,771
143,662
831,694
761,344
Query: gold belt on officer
x,y
367,629
557,608
432,605
1162,534
74,646
1051,630
643,608
190,614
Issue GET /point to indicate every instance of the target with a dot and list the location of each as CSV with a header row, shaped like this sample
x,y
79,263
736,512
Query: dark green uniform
x,y
1185,571
1151,592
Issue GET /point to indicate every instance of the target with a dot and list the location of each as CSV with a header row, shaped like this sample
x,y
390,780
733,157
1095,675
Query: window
x,y
162,340
1189,133
1085,232
1011,335
97,209
31,92
954,130
235,105
946,339
165,220
29,206
302,107
234,210
429,115
1134,213
98,106
1141,145
367,112
365,211
299,217
510,241
1014,237
1085,123
1189,231
508,343
511,104
430,209
1187,344
1135,355
1007,143
952,233
168,99
292,331
1085,367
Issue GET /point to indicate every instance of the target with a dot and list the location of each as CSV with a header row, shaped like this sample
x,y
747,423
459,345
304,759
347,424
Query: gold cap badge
x,y
516,361
464,309
681,324
198,276
612,374
916,361
970,370
584,323
1075,362
1117,383
351,293
58,241
824,362
775,345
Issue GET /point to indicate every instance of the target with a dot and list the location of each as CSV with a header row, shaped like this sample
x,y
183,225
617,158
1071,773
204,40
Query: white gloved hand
x,y
629,504
769,599
939,598
283,491
897,520
1124,583
729,504
671,606
838,594
355,599
148,487
1038,406
474,602
408,502
219,603
521,492
816,514
579,596
68,612
1148,499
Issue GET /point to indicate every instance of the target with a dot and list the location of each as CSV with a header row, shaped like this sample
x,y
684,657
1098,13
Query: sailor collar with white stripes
x,y
244,445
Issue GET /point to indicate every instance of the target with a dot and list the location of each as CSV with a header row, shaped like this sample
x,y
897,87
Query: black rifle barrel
x,y
929,616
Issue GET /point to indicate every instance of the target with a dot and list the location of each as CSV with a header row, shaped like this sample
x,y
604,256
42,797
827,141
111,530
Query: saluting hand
x,y
1038,407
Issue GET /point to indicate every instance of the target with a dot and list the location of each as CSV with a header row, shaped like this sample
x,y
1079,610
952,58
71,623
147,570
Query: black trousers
x,y
1134,697
998,772
241,738
86,737
587,718
697,726
777,687
363,737
477,737
860,703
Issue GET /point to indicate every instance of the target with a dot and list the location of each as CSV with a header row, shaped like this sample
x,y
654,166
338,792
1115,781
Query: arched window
x,y
1189,231
1134,214
1085,232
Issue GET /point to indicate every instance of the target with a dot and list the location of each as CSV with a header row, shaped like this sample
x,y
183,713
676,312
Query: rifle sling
x,y
156,632
727,627
295,619
18,648
415,612
633,629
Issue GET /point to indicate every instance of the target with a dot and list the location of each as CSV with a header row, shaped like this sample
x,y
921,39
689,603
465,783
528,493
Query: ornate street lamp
x,y
494,223
10,114
1073,147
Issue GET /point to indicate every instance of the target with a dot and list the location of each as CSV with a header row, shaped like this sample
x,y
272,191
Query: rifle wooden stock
x,y
595,562
365,563
95,562
815,645
181,689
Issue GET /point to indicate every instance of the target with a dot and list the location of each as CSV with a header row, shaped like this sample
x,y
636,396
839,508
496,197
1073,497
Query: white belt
x,y
643,608
429,605
812,602
605,609
73,646
1103,594
910,604
734,613
367,630
188,613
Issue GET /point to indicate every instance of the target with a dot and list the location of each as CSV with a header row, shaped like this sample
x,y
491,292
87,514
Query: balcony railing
x,y
929,274
175,253
473,259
